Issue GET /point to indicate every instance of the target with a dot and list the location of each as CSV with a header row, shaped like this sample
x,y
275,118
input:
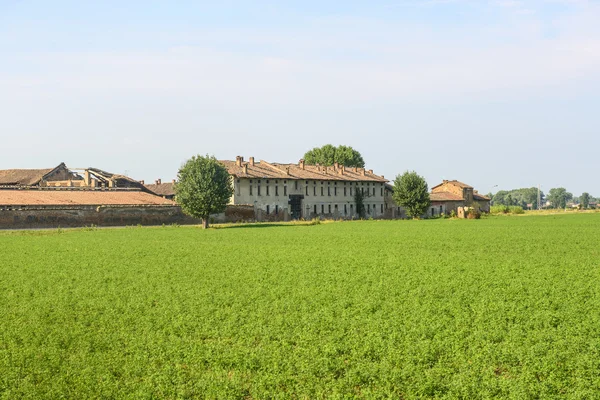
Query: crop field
x,y
503,307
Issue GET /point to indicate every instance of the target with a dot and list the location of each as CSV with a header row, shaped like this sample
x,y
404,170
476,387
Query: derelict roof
x,y
478,196
266,170
32,197
25,177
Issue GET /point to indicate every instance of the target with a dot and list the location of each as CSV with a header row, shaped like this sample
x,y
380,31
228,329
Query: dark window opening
x,y
267,209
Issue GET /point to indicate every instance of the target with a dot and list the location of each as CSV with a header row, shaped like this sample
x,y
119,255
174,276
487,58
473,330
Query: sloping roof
x,y
24,177
481,197
162,189
79,197
266,170
455,183
444,196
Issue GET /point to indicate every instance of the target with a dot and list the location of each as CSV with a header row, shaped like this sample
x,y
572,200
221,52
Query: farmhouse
x,y
449,196
281,191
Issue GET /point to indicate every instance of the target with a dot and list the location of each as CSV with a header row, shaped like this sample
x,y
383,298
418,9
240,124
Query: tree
x,y
329,155
359,200
203,187
412,193
585,199
559,197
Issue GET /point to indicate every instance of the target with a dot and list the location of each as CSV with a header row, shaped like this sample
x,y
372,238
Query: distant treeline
x,y
528,198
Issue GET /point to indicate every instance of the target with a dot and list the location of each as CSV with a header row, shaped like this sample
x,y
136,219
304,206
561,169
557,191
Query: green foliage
x,y
411,193
203,188
329,155
584,199
559,197
359,202
517,197
504,308
502,209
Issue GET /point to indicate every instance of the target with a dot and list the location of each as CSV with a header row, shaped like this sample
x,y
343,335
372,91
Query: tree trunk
x,y
205,222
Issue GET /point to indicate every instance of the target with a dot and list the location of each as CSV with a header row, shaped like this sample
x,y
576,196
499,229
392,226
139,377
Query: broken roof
x,y
444,196
25,177
266,170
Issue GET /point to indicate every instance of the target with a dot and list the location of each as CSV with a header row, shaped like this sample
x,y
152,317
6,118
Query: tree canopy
x,y
329,155
584,199
203,187
518,197
559,197
411,193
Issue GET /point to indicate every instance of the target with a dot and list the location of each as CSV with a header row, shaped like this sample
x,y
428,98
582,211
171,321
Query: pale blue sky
x,y
488,92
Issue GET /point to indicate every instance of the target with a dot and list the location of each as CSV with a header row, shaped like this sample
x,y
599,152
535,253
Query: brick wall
x,y
78,216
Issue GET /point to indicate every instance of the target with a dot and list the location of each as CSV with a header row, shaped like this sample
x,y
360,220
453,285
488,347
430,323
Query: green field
x,y
505,307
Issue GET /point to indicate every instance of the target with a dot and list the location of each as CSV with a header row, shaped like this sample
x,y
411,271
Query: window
x,y
267,209
381,192
258,188
345,194
373,192
351,208
382,208
369,208
315,209
322,209
350,191
314,191
307,190
335,191
250,189
285,190
322,191
295,185
362,190
345,209
329,208
267,189
335,208
328,191
432,211
276,209
441,210
276,189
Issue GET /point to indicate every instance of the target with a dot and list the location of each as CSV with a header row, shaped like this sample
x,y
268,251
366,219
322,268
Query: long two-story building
x,y
279,191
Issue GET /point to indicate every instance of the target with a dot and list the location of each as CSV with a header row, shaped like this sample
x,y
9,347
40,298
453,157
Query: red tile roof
x,y
265,170
79,197
455,183
444,196
162,189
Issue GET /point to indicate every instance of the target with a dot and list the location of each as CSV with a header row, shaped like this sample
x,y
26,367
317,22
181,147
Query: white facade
x,y
318,198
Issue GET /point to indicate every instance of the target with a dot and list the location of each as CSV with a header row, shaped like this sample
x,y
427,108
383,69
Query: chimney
x,y
362,171
355,169
371,171
246,168
252,161
158,182
238,161
301,164
342,170
142,182
336,166
287,170
86,177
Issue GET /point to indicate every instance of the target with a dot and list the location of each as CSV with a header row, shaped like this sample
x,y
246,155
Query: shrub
x,y
516,210
499,209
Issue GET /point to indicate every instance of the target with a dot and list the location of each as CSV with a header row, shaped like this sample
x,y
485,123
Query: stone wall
x,y
78,216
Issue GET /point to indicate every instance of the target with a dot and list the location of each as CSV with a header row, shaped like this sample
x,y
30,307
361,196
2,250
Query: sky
x,y
498,94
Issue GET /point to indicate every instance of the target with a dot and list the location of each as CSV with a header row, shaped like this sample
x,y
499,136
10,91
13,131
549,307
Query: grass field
x,y
505,307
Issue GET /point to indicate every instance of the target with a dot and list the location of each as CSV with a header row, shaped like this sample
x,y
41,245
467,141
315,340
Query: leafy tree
x,y
359,200
584,199
517,197
203,187
329,155
559,197
411,193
